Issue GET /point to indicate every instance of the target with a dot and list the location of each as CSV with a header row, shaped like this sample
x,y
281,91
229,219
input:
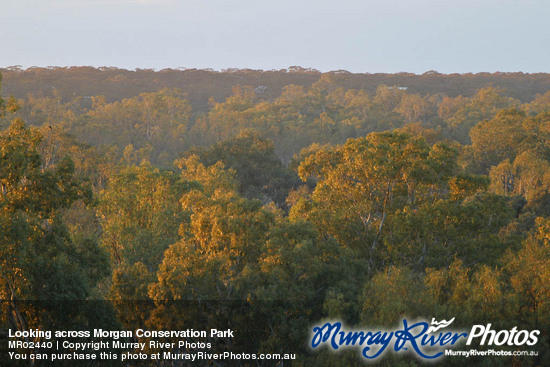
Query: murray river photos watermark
x,y
427,341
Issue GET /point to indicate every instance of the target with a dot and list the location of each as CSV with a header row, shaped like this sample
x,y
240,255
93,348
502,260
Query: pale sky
x,y
359,36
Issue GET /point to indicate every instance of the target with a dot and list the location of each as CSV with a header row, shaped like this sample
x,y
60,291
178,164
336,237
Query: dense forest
x,y
271,200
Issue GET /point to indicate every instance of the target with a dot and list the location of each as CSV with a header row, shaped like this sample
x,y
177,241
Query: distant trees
x,y
117,84
160,125
260,172
151,126
483,106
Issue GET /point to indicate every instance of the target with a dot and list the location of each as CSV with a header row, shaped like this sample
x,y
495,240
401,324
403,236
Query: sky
x,y
362,36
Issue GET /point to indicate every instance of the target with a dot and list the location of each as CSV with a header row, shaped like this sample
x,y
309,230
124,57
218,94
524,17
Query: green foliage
x,y
433,235
368,181
499,138
483,106
391,294
260,173
140,215
220,243
39,260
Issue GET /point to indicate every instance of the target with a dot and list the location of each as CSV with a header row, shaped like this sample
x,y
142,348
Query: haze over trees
x,y
282,197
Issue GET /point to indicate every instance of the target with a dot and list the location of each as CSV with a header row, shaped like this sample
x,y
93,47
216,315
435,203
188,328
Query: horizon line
x,y
290,69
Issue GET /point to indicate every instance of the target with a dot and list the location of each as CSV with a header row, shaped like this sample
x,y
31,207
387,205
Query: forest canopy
x,y
284,197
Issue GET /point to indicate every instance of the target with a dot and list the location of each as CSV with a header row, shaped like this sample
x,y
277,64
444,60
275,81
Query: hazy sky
x,y
354,35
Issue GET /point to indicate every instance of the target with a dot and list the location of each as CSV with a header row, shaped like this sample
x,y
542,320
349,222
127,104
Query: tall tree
x,y
38,258
365,181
